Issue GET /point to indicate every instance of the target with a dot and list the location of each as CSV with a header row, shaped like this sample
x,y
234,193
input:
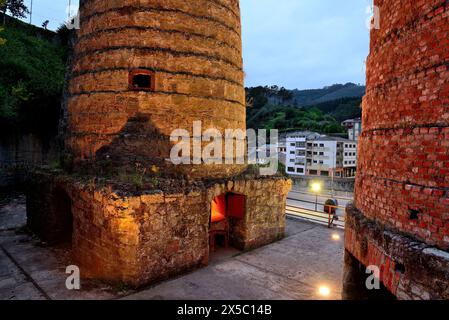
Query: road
x,y
302,204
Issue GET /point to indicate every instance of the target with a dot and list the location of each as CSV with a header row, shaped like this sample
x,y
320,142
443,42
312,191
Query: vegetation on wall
x,y
32,65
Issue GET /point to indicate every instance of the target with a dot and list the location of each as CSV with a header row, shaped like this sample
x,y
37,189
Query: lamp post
x,y
316,188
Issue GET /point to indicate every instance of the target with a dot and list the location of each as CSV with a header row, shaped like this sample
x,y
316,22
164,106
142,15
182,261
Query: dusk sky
x,y
292,43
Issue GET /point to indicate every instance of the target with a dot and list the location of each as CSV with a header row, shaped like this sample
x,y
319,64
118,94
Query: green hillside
x,y
341,109
274,107
289,117
32,64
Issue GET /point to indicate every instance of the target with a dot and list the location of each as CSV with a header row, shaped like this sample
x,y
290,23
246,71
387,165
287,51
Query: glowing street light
x,y
324,291
316,188
336,237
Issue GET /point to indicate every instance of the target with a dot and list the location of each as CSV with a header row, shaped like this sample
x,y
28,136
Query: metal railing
x,y
331,218
329,195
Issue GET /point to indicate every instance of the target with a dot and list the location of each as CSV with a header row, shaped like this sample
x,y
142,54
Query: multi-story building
x,y
354,127
318,155
324,157
295,149
296,155
349,158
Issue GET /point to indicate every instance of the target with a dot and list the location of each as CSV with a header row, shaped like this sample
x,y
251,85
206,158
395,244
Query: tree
x,y
2,9
2,41
45,24
16,7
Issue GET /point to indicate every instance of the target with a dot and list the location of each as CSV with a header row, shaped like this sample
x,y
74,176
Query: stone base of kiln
x,y
409,269
137,239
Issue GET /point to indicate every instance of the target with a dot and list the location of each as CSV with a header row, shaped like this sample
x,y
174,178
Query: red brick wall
x,y
404,150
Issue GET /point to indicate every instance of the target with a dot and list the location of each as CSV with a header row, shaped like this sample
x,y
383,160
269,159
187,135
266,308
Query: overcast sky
x,y
292,43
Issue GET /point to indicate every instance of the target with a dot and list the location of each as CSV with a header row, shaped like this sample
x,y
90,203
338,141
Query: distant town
x,y
307,153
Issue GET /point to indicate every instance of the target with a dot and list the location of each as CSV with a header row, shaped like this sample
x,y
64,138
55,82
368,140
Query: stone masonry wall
x,y
138,240
408,269
142,239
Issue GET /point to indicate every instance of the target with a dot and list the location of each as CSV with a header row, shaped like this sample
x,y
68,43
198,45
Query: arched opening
x,y
63,215
227,215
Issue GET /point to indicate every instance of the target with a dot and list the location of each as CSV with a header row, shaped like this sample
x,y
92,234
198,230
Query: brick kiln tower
x,y
400,218
145,68
141,69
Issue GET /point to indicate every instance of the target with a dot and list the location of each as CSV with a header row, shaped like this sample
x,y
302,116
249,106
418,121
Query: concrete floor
x,y
293,268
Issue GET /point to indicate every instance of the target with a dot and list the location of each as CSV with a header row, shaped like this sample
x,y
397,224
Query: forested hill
x,y
334,92
304,98
320,109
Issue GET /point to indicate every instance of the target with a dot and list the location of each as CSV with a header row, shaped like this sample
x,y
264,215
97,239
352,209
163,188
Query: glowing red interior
x,y
218,209
231,205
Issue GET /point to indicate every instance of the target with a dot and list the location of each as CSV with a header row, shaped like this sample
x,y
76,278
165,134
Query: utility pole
x,y
31,12
68,11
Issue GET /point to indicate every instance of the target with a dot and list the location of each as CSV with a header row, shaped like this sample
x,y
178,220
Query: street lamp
x,y
324,291
316,188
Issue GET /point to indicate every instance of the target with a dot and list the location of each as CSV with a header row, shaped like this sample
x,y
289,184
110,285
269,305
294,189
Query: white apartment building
x,y
296,155
318,155
324,157
349,158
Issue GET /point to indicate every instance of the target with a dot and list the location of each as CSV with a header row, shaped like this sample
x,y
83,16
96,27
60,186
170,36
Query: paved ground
x,y
293,268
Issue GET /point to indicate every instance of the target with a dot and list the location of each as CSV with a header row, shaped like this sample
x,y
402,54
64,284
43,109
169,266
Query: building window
x,y
142,80
321,153
300,170
322,145
325,173
291,169
313,172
